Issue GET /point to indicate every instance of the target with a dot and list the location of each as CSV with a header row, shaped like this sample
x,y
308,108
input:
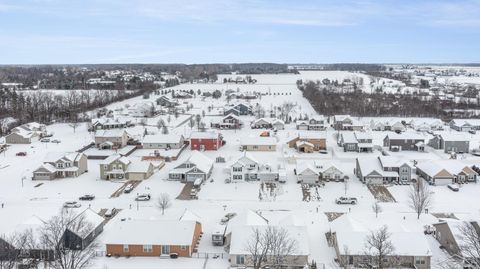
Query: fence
x,y
207,255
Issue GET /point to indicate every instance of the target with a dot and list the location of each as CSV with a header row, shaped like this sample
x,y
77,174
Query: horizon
x,y
54,32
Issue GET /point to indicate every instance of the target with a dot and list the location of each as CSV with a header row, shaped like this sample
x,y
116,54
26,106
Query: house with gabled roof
x,y
268,123
197,166
108,139
240,109
109,123
153,238
258,143
356,141
60,165
230,121
117,166
465,125
247,168
316,123
317,141
450,142
443,172
404,141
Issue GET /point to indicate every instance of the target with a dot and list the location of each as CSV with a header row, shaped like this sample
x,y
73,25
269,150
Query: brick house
x,y
153,238
211,140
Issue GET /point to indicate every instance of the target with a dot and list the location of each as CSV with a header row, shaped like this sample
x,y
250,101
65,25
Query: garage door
x,y
443,181
193,177
374,180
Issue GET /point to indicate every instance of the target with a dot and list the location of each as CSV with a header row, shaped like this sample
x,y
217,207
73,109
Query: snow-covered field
x,y
24,198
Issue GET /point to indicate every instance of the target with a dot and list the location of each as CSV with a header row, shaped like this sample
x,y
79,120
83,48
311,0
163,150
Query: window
x,y
237,169
147,248
125,248
183,247
240,259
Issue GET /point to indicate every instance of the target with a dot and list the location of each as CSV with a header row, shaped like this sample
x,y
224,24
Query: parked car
x,y
346,200
21,153
472,131
227,218
143,197
72,204
129,188
453,187
87,197
110,212
56,141
45,140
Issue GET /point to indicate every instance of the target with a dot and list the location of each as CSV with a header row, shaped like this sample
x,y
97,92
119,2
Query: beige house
x,y
259,144
60,165
108,139
120,167
22,137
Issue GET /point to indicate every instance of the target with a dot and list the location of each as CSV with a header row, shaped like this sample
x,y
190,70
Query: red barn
x,y
206,140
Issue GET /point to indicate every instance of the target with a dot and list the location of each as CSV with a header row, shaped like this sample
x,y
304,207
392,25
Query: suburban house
x,y
258,144
465,125
239,109
111,139
83,229
356,141
451,236
210,140
60,165
198,166
22,137
316,123
153,238
268,123
142,109
109,123
231,121
308,142
120,167
443,172
166,101
247,168
183,95
163,141
40,129
347,123
404,141
242,258
348,235
312,172
449,142
426,124
383,169
385,124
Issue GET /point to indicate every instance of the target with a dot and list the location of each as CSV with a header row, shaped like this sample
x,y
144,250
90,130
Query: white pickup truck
x,y
346,201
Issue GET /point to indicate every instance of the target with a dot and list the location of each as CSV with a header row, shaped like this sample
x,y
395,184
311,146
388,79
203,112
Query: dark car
x,y
87,197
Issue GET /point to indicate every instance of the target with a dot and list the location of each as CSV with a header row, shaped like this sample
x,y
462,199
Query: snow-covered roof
x,y
352,233
162,138
151,232
85,222
139,167
52,157
454,167
201,161
260,141
454,137
405,136
115,157
110,133
205,135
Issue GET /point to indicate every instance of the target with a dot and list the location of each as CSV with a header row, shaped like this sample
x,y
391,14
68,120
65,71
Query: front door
x,y
165,250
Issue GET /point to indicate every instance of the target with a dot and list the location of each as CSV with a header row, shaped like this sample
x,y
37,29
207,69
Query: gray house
x,y
198,166
450,142
404,141
380,170
356,141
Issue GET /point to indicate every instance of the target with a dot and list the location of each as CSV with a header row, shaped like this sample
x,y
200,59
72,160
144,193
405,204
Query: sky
x,y
233,31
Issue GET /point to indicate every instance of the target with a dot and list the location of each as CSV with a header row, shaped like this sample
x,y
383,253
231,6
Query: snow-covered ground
x,y
23,198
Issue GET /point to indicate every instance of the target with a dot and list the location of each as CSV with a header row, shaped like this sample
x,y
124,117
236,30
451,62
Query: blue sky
x,y
224,31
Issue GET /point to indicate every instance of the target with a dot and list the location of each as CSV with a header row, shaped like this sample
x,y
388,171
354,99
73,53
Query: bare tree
x,y
163,202
420,197
379,246
470,244
271,245
66,255
343,259
74,125
14,247
164,130
376,208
